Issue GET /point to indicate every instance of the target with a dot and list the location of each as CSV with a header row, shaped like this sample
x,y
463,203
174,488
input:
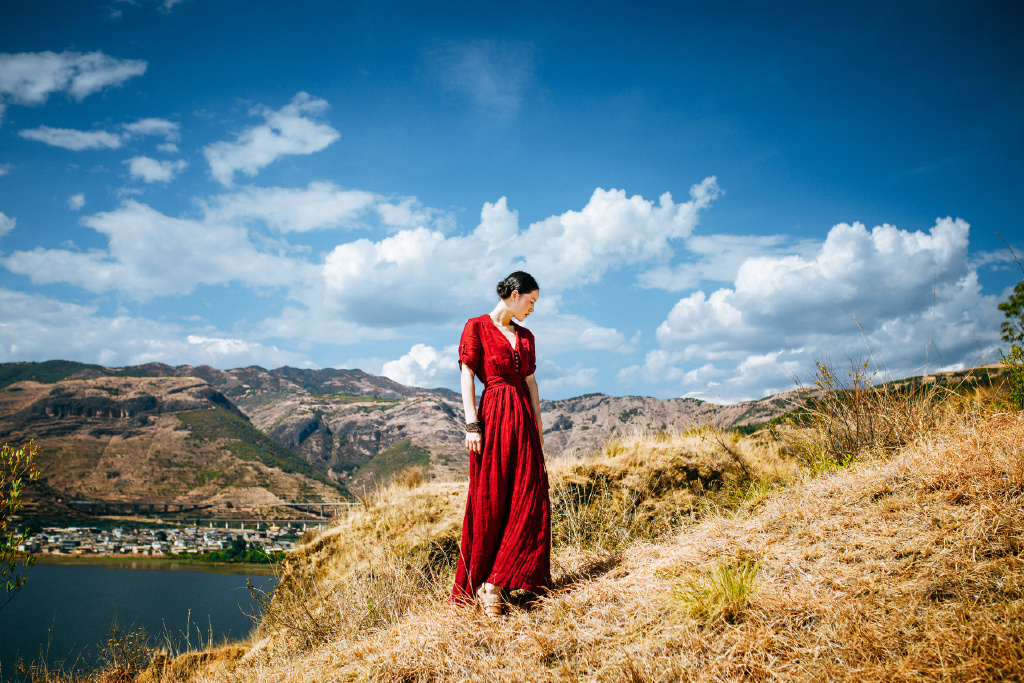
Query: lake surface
x,y
66,611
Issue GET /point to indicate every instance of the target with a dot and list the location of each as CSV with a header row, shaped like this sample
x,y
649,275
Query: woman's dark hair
x,y
517,282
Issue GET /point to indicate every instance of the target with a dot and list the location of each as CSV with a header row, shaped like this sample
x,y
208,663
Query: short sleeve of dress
x,y
530,351
470,350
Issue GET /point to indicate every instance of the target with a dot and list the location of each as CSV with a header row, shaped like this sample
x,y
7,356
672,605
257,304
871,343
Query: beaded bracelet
x,y
473,427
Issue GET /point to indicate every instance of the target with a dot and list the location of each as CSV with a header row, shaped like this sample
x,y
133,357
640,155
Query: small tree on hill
x,y
1013,308
1013,332
16,467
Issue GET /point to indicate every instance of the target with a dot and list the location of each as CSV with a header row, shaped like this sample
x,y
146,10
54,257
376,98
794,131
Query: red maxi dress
x,y
506,535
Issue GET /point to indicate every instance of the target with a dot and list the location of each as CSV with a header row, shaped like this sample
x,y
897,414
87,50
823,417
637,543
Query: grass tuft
x,y
722,593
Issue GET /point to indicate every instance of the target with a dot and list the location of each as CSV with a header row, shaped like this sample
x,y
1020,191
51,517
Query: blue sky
x,y
711,196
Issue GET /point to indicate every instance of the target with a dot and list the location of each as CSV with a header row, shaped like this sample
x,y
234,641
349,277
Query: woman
x,y
506,535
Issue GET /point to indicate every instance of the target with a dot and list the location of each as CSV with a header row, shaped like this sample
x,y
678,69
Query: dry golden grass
x,y
896,569
694,556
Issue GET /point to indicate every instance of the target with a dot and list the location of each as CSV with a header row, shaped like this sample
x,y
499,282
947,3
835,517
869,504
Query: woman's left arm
x,y
531,384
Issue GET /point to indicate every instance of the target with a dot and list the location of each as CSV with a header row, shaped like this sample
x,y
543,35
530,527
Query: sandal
x,y
490,599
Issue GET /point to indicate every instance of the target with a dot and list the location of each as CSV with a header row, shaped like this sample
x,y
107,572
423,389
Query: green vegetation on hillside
x,y
384,465
247,442
48,372
352,398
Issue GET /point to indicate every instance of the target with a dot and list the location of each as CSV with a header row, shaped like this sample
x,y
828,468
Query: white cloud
x,y
887,292
717,258
387,282
425,366
169,130
321,205
167,5
4,169
76,201
612,230
153,171
315,325
151,254
364,289
78,140
555,380
291,130
567,332
409,213
492,73
27,332
6,223
29,78
75,140
168,148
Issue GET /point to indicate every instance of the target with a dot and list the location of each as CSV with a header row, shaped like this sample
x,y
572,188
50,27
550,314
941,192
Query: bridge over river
x,y
108,507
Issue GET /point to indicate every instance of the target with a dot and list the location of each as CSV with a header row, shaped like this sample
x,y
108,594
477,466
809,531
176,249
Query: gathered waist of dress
x,y
515,381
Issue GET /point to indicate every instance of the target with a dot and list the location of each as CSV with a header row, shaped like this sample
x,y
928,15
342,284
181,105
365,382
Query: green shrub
x,y
851,416
1014,362
17,466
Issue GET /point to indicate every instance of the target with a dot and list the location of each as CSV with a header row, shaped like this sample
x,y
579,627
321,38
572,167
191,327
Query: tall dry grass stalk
x,y
850,417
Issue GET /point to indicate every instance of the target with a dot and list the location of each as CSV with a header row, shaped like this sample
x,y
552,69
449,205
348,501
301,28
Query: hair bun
x,y
517,281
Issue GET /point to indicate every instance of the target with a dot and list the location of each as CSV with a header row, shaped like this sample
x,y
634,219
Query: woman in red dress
x,y
506,535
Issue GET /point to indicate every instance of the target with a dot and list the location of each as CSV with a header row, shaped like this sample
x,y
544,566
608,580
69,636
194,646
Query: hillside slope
x,y
901,569
159,438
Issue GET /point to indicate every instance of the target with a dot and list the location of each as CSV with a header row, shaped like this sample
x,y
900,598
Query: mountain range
x,y
252,436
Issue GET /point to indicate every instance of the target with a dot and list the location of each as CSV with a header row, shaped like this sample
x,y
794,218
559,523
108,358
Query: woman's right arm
x,y
474,440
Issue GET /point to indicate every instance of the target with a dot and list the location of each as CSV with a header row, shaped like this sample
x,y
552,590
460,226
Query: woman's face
x,y
521,305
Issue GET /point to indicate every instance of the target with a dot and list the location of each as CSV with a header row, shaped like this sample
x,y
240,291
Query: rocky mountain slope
x,y
156,439
352,429
348,428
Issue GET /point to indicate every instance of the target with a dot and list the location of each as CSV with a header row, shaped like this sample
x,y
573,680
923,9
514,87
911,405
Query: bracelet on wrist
x,y
473,427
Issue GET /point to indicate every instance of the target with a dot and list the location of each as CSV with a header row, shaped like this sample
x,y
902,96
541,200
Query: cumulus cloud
x,y
291,130
717,258
562,332
555,380
76,201
492,73
75,140
30,321
367,289
314,325
29,78
6,223
153,171
613,230
410,213
151,254
564,251
169,130
425,366
904,297
320,205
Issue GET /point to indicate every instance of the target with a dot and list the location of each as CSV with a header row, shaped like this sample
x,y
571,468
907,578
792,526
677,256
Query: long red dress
x,y
506,535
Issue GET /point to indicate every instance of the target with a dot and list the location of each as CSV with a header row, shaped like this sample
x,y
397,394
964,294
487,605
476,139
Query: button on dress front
x,y
506,535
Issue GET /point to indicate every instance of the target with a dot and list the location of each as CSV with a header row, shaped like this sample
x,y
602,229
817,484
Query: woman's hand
x,y
474,442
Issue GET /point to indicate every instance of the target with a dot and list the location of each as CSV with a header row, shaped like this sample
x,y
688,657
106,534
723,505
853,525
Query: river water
x,y
64,613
